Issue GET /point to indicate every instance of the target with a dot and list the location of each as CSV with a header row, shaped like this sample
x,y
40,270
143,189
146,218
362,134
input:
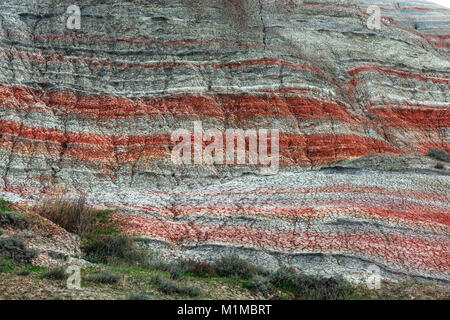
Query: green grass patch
x,y
4,206
33,269
103,224
6,265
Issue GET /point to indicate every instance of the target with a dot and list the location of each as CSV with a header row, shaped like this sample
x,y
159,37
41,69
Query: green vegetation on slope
x,y
99,281
123,269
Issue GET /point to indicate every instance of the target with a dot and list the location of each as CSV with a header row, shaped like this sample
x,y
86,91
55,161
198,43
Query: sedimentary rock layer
x,y
92,111
425,17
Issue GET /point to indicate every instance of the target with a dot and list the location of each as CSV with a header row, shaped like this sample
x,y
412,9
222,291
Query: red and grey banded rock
x,y
92,111
425,17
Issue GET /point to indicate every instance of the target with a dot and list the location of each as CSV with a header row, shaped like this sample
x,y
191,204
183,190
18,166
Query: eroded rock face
x,y
92,111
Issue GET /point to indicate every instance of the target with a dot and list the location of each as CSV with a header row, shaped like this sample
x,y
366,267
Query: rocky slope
x,y
92,110
430,20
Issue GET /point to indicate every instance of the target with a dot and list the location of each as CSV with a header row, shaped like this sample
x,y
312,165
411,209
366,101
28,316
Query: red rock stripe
x,y
412,213
242,106
413,252
400,73
423,9
439,36
441,44
395,10
423,118
424,147
296,148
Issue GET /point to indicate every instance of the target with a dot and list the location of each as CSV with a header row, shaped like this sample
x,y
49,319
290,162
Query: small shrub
x,y
204,269
227,266
439,154
116,249
284,278
178,268
14,219
176,271
192,291
310,287
70,214
200,269
327,288
139,296
104,277
76,217
166,285
259,284
233,266
16,249
58,273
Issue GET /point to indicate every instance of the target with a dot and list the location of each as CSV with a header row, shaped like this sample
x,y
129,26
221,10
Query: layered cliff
x,y
91,111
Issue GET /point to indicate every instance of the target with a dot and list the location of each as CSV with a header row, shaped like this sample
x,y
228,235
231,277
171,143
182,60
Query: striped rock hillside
x,y
426,18
92,110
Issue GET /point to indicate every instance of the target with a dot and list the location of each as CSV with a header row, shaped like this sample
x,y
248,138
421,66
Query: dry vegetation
x,y
122,269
